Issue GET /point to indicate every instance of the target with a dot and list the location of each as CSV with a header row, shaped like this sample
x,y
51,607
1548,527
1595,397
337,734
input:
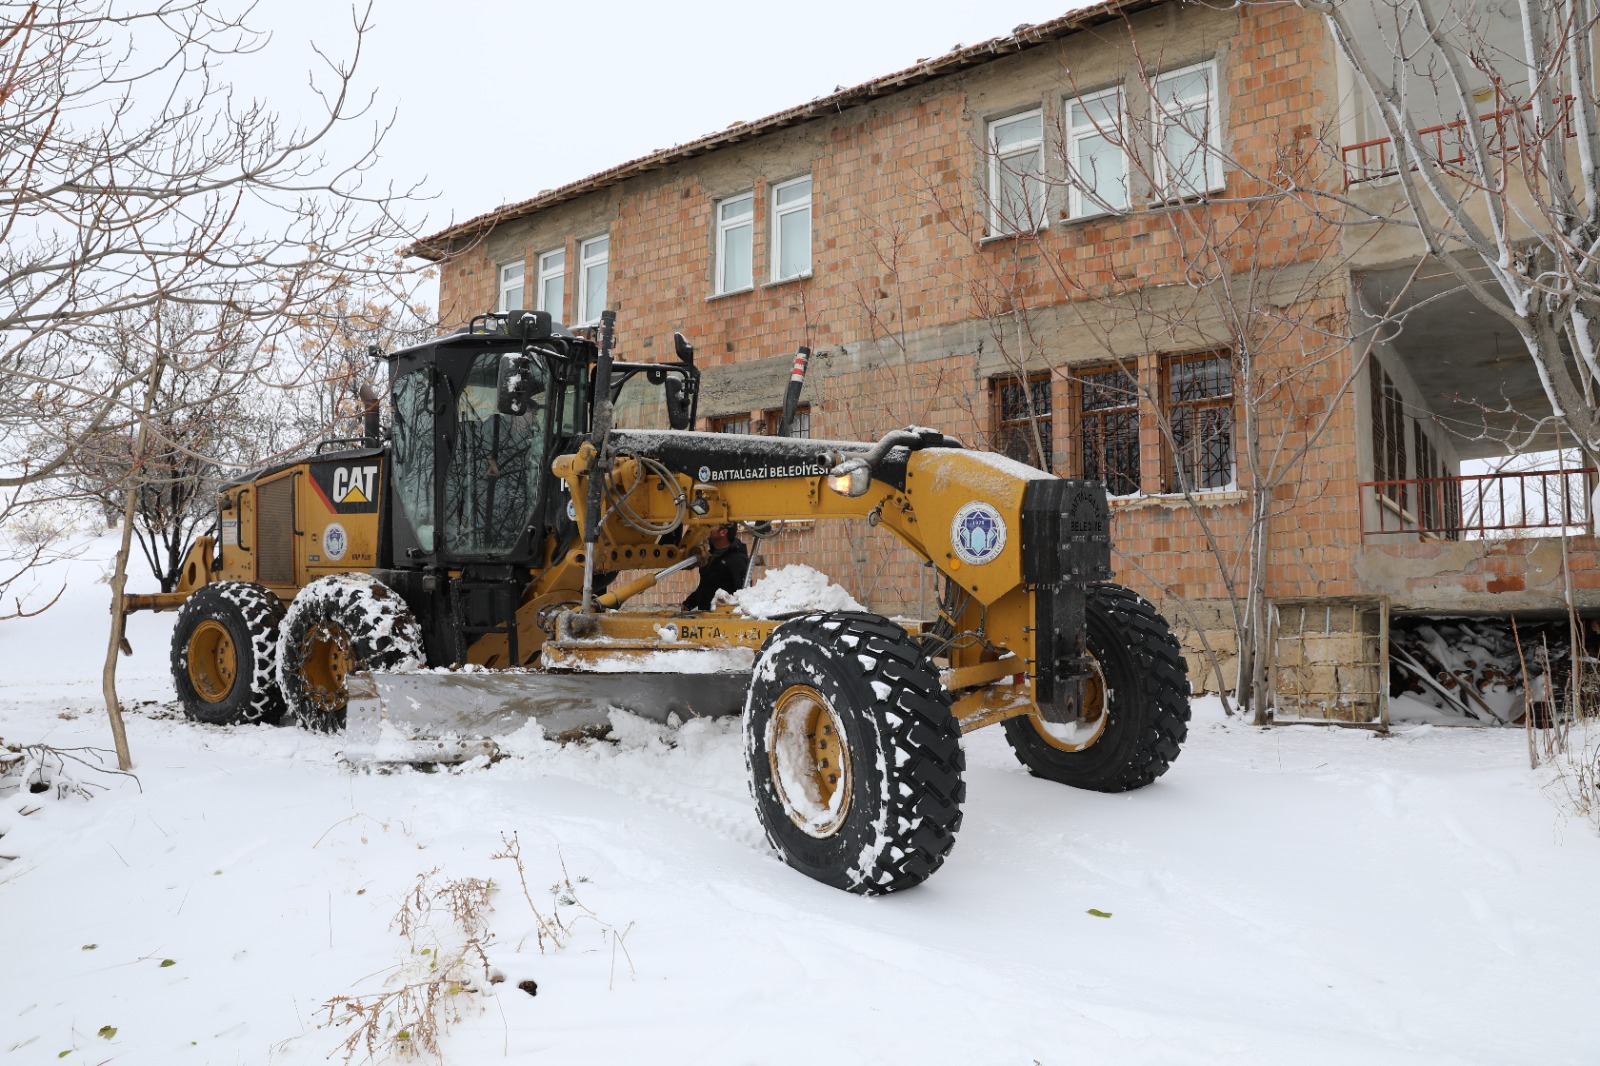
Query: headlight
x,y
850,478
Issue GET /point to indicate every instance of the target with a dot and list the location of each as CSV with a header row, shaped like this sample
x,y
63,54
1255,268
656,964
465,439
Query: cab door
x,y
496,467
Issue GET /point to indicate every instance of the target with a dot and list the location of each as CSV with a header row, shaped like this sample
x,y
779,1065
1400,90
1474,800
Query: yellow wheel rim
x,y
325,651
213,661
809,761
1080,735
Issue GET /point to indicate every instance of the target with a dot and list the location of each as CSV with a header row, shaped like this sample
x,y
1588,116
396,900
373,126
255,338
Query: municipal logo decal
x,y
705,474
978,533
335,542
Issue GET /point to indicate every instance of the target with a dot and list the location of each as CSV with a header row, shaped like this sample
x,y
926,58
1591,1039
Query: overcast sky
x,y
494,102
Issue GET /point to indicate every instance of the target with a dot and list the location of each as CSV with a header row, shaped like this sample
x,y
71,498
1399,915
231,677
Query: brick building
x,y
1093,244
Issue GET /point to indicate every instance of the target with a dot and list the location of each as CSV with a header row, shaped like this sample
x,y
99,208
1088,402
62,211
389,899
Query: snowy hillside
x,y
1295,896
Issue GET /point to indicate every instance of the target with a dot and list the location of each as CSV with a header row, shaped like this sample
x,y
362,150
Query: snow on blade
x,y
791,590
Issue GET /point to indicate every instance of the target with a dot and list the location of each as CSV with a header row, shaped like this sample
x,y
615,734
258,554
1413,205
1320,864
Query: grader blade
x,y
454,717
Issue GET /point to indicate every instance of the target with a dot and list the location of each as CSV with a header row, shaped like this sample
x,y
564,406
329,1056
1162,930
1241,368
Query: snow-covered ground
x,y
1300,895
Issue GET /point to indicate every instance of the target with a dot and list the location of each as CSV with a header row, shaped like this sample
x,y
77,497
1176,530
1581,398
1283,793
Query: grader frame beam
x,y
1023,596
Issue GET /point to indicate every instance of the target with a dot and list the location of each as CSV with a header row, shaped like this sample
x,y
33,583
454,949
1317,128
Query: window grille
x,y
1023,406
1439,495
1200,413
799,429
1109,429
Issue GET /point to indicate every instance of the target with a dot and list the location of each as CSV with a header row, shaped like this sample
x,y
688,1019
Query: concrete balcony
x,y
1502,131
1517,541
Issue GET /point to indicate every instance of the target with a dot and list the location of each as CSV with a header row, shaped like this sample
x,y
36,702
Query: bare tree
x,y
34,534
327,355
204,420
1493,130
131,178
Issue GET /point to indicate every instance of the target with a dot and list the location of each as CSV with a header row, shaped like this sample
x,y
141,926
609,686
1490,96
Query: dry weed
x,y
1565,733
445,926
1577,771
558,928
441,965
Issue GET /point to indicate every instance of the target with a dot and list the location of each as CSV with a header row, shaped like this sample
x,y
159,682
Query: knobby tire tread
x,y
384,635
1158,676
236,604
927,789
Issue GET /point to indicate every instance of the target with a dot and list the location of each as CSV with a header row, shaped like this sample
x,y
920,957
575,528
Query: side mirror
x,y
517,383
685,350
529,326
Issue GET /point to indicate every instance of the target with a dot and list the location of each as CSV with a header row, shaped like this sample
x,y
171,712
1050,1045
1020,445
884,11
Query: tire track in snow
x,y
666,778
736,824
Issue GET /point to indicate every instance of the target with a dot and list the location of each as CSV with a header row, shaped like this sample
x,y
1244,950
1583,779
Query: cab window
x,y
496,468
413,452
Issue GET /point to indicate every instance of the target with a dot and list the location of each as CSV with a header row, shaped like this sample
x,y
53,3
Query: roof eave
x,y
442,244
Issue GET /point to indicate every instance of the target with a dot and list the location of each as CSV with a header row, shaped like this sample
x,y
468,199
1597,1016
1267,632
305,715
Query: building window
x,y
1096,161
1388,434
1199,411
510,298
1016,173
593,258
553,282
799,429
738,424
735,225
791,229
1188,134
1022,423
1438,495
1109,430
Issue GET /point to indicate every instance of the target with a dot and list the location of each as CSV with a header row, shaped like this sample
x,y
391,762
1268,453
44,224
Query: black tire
x,y
890,822
1147,707
336,626
224,654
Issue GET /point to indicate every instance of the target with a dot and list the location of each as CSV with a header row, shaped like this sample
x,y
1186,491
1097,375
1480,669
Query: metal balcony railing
x,y
1480,506
1374,159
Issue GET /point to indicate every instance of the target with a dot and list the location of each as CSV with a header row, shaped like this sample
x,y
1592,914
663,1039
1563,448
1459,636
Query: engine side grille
x,y
275,532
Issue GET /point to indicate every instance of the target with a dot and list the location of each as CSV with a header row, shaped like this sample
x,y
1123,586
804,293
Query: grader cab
x,y
527,472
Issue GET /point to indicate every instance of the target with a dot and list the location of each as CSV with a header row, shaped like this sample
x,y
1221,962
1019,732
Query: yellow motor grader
x,y
470,570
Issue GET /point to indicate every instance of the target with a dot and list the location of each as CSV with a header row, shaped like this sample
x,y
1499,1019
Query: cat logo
x,y
347,488
353,484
